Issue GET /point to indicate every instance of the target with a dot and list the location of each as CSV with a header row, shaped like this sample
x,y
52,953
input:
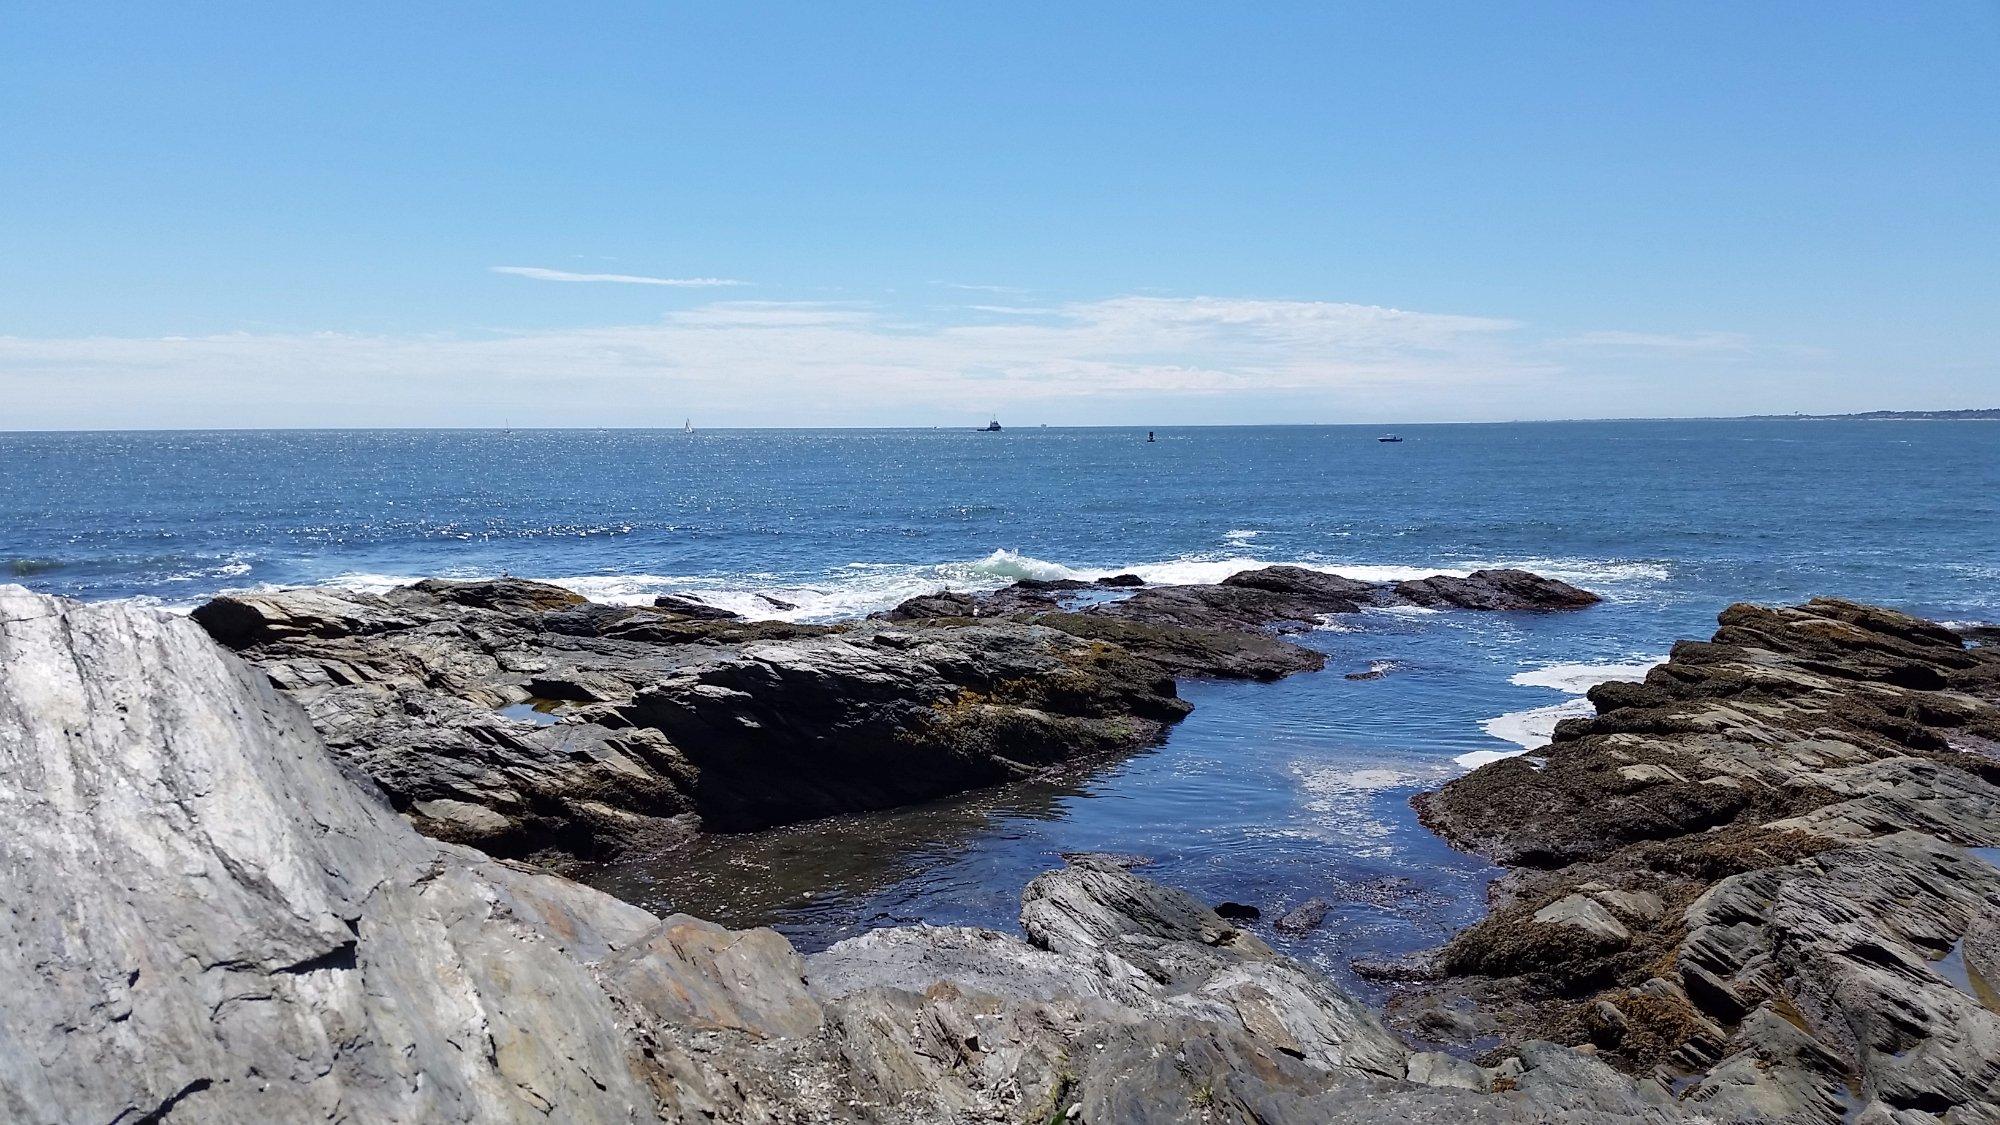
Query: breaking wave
x,y
860,588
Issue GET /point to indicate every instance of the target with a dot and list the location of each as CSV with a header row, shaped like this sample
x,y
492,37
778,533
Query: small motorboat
x,y
1388,437
992,427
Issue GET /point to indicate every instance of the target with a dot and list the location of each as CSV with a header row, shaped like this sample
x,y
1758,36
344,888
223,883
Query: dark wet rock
x,y
872,719
1180,651
687,606
1494,590
1374,672
925,607
1303,917
1238,911
1300,583
675,722
1121,580
1225,630
504,595
777,603
1746,868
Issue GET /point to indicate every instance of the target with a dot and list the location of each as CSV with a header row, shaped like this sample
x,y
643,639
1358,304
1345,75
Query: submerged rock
x,y
1304,917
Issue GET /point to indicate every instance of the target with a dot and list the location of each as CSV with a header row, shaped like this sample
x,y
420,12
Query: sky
x,y
609,214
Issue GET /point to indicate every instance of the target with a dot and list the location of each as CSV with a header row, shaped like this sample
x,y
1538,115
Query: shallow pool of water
x,y
1269,794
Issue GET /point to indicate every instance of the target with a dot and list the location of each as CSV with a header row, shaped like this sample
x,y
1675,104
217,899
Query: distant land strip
x,y
1991,415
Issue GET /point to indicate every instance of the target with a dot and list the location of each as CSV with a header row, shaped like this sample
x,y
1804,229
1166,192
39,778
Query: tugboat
x,y
1388,437
992,427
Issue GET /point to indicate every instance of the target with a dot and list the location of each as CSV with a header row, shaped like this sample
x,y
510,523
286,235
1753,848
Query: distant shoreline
x,y
1877,416
1985,415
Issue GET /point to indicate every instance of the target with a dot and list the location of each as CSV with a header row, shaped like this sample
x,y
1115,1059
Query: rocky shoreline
x,y
656,722
1757,875
1748,890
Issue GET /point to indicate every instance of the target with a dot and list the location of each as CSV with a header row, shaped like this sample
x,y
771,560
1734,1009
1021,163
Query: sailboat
x,y
687,425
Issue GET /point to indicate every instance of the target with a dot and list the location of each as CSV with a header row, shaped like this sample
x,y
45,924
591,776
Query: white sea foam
x,y
1576,679
1534,727
1531,728
1403,610
859,588
1345,803
1583,572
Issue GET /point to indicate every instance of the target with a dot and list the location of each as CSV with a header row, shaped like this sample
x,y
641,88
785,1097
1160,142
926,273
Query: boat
x,y
1388,437
687,425
992,427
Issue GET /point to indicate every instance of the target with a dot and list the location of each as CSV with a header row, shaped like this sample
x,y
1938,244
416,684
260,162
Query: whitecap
x,y
1576,679
1583,571
1014,565
1403,610
859,588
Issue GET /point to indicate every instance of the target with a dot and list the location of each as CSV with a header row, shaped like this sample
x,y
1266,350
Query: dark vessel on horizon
x,y
992,427
1388,437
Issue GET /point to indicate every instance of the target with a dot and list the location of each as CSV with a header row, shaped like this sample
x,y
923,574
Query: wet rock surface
x,y
211,920
523,719
1755,874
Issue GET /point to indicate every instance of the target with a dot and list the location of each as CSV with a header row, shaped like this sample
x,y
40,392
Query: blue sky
x,y
1107,213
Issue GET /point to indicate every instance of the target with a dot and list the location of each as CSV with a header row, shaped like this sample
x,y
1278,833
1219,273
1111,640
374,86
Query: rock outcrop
x,y
1758,873
653,721
1229,629
209,920
523,719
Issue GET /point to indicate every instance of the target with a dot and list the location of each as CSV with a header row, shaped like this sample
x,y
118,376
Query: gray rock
x,y
210,921
1586,915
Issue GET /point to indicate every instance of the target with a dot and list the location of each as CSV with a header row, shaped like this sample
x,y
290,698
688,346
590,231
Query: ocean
x,y
1269,794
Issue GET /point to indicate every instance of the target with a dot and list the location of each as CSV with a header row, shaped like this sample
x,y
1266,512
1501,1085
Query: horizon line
x,y
1860,415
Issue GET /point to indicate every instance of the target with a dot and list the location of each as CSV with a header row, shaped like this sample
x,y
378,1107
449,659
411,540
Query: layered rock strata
x,y
1762,874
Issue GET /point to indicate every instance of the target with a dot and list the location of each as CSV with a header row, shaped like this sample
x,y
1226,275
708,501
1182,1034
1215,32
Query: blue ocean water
x,y
1269,793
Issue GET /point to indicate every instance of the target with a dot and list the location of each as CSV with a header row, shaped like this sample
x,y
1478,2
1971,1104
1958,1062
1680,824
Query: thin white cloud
x,y
540,274
1013,290
805,362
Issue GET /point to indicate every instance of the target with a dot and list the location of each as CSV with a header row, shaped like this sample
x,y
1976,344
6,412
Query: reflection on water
x,y
1268,794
